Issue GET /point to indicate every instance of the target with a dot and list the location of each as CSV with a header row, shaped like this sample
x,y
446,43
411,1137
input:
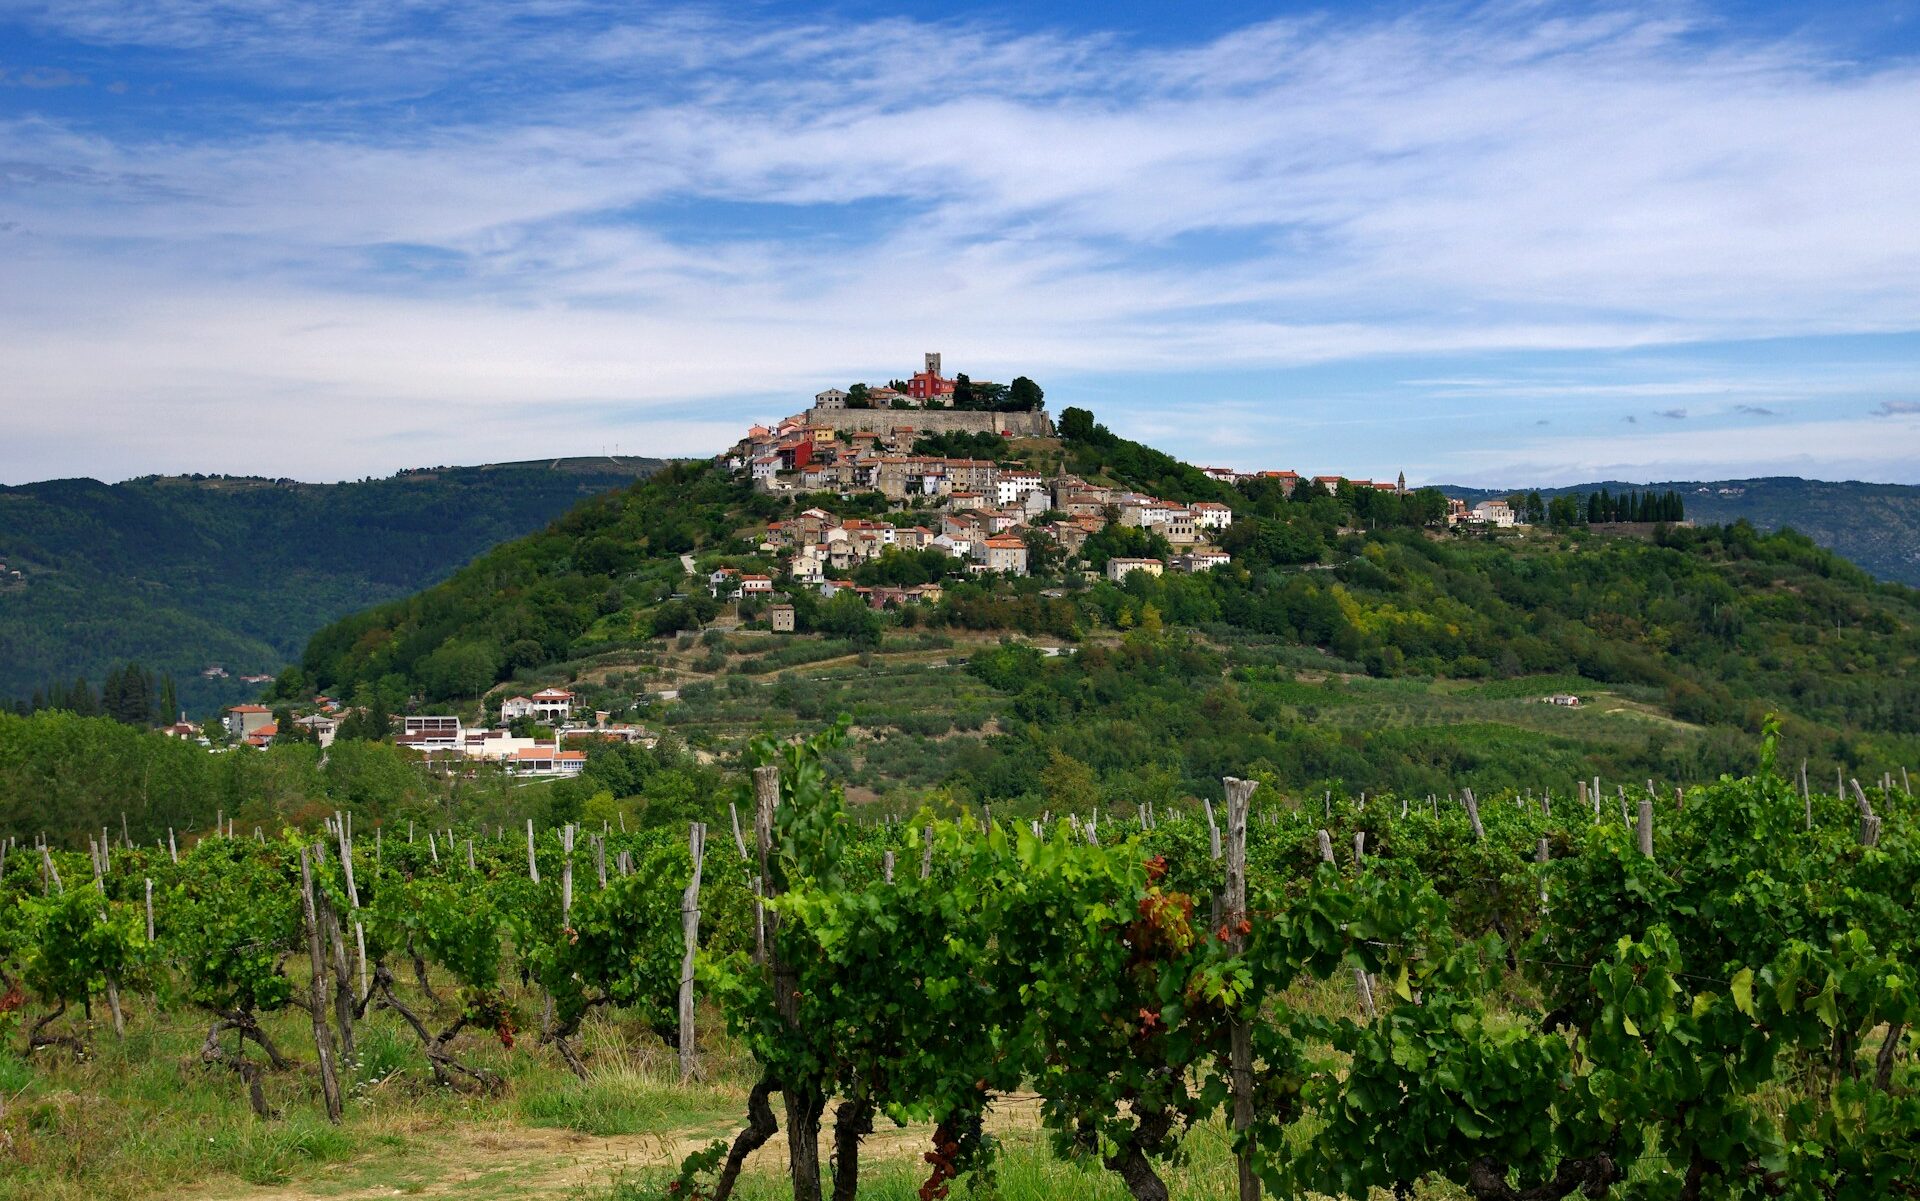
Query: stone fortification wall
x,y
940,421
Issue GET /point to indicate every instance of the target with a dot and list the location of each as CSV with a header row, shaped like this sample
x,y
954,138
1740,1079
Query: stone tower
x,y
933,363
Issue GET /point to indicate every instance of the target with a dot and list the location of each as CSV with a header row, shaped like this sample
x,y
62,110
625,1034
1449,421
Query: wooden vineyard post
x,y
1473,815
1360,981
766,794
1240,1033
690,934
1644,831
803,1106
113,986
342,980
353,899
1869,823
173,852
926,853
317,994
533,865
149,903
1541,854
566,873
886,865
1213,829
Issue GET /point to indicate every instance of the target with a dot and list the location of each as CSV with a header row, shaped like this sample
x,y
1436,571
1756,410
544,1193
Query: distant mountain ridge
x,y
1875,525
184,572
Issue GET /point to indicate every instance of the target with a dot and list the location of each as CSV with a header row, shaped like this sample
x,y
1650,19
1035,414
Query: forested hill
x,y
181,572
1875,525
1351,640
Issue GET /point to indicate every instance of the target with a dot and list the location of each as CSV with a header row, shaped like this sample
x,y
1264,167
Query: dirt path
x,y
496,1161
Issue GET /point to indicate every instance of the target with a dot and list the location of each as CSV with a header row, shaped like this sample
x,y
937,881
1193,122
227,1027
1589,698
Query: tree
x,y
459,669
858,397
962,392
371,722
1076,424
1025,395
1044,555
848,616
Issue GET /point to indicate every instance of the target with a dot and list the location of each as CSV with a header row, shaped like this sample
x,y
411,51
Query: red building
x,y
930,384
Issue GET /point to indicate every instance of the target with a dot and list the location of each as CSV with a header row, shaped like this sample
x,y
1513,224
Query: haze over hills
x,y
1875,525
181,573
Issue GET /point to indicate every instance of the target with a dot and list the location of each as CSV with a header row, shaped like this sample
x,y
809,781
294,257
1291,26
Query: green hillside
x,y
1874,525
1349,645
180,572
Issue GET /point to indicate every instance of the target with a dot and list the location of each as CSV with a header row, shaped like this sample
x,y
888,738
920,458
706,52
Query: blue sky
x,y
1484,243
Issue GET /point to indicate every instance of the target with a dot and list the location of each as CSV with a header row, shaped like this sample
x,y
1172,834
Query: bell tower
x,y
933,363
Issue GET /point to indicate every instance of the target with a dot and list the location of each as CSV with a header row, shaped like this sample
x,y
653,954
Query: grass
x,y
622,1099
142,1116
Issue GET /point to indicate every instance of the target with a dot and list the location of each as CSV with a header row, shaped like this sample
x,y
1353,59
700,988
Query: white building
x,y
543,760
1211,515
1014,487
1119,569
1494,512
431,732
832,398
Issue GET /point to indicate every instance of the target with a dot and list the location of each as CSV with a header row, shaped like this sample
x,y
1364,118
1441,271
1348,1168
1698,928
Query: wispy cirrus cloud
x,y
41,78
491,208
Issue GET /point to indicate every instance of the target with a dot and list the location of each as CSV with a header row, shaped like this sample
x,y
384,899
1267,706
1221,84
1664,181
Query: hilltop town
x,y
984,510
931,501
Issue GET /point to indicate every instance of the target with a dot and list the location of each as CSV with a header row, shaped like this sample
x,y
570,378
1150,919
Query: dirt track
x,y
483,1161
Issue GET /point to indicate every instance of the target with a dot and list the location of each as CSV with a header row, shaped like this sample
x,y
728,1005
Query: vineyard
x,y
1596,990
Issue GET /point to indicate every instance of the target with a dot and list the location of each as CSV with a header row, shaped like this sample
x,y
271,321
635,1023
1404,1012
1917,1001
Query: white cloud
x,y
1301,191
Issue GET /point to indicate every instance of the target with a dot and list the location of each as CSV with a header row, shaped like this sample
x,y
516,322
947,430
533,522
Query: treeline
x,y
68,776
961,444
130,695
1571,509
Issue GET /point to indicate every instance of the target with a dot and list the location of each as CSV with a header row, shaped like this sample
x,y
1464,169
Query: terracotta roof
x,y
250,709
